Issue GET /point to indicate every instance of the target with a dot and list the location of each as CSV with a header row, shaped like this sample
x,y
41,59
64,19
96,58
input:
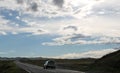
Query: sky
x,y
59,28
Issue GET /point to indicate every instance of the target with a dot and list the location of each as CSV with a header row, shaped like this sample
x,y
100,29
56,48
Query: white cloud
x,y
88,54
3,33
3,21
101,30
75,8
33,30
2,53
48,8
91,25
81,40
4,29
7,52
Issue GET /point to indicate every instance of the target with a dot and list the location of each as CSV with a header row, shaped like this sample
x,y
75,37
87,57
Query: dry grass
x,y
10,67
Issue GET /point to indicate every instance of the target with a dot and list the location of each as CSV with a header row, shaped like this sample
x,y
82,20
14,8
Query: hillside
x,y
10,67
109,63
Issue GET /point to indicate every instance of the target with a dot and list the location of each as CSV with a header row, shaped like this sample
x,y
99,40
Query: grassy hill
x,y
109,63
10,67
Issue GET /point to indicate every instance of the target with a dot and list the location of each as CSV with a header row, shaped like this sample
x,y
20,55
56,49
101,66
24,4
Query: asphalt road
x,y
37,69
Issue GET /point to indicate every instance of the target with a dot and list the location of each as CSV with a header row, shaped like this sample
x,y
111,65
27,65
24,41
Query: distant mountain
x,y
109,63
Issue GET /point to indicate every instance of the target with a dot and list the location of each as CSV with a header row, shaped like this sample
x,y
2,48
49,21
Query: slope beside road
x,y
37,69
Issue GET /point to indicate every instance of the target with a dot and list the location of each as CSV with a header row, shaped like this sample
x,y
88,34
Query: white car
x,y
50,65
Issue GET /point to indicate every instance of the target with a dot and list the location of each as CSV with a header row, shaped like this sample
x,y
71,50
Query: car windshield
x,y
50,63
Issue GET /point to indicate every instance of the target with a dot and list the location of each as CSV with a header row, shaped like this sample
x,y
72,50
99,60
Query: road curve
x,y
37,69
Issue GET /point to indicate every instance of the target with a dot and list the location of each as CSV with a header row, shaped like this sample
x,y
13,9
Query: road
x,y
37,69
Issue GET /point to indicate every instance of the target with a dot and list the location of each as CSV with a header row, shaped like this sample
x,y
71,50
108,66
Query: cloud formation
x,y
74,21
59,3
20,1
48,7
88,54
8,52
68,40
34,6
70,27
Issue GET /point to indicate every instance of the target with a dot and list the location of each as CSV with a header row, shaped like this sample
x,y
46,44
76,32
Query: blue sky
x,y
59,28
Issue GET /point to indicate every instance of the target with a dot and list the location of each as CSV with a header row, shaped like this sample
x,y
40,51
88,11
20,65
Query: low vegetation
x,y
72,64
10,67
109,63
